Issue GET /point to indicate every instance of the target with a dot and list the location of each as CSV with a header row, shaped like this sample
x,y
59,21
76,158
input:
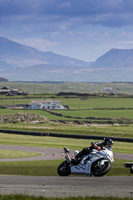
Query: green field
x,y
99,113
97,102
104,110
52,88
75,103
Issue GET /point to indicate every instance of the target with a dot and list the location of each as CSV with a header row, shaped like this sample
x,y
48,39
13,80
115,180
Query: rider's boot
x,y
67,157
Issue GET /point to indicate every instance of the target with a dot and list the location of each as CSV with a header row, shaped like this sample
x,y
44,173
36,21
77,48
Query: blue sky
x,y
82,29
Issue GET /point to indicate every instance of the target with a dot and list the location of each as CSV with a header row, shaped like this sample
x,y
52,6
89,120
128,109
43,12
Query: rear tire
x,y
97,170
64,169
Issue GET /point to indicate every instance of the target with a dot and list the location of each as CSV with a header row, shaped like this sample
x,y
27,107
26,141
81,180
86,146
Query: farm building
x,y
45,104
7,90
11,92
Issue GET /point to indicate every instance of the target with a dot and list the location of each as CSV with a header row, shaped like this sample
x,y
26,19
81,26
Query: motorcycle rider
x,y
106,143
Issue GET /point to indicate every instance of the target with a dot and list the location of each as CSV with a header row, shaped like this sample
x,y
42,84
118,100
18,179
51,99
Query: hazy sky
x,y
83,29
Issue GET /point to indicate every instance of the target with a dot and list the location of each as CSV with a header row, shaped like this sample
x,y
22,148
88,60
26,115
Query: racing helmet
x,y
108,142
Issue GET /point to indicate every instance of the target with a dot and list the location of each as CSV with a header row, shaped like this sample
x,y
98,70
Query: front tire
x,y
64,169
98,170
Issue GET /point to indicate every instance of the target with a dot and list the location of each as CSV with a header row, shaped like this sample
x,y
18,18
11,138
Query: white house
x,y
48,104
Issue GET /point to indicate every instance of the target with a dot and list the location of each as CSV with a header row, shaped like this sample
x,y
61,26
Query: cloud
x,y
82,29
66,4
109,13
37,43
127,42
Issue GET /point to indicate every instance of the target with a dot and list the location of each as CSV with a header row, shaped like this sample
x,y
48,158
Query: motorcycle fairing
x,y
84,168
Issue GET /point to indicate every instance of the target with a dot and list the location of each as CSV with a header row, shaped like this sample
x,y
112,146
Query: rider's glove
x,y
97,148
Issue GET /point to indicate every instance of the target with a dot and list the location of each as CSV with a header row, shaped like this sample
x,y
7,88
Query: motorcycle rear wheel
x,y
64,169
97,171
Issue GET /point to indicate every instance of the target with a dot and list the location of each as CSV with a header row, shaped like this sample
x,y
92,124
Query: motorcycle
x,y
97,163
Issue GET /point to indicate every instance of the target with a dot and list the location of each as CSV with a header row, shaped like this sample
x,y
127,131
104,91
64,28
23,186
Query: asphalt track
x,y
67,186
48,186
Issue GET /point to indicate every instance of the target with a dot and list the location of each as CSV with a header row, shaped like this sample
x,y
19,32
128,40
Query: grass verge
x,y
49,168
17,154
57,142
24,197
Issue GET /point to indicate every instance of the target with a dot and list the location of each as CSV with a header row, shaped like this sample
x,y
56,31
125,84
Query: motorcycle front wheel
x,y
99,170
64,169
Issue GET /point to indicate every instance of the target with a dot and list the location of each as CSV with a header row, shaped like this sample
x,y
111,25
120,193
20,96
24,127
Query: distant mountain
x,y
3,79
115,58
115,65
18,55
23,63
